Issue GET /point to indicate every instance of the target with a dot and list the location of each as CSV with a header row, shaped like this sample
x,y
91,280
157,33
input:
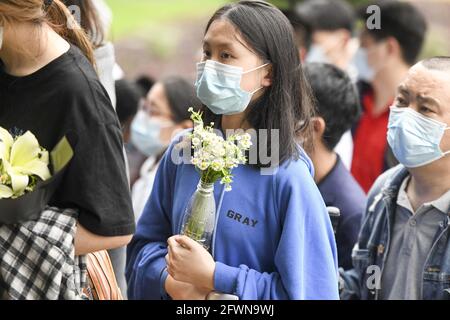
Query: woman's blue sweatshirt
x,y
273,239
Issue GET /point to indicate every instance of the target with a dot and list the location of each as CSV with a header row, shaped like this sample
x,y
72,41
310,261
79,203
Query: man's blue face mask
x,y
219,87
415,139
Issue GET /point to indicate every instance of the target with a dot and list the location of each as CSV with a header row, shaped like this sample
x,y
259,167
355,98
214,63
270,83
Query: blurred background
x,y
162,38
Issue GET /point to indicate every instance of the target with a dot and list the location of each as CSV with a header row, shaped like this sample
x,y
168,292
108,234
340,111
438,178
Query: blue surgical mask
x,y
145,134
219,87
415,139
361,62
316,54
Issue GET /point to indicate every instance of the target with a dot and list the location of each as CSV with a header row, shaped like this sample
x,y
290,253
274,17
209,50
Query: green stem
x,y
205,176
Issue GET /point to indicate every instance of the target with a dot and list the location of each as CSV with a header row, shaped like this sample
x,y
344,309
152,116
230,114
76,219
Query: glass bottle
x,y
200,215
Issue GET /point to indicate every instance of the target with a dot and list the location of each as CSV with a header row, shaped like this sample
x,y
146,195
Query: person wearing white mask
x,y
383,61
331,24
406,228
324,33
163,114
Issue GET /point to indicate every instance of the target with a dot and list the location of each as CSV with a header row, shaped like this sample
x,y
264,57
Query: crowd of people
x,y
362,127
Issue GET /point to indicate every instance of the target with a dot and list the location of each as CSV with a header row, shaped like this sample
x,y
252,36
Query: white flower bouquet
x,y
26,180
215,158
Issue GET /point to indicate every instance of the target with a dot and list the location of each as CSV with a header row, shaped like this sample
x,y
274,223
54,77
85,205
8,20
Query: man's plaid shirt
x,y
37,258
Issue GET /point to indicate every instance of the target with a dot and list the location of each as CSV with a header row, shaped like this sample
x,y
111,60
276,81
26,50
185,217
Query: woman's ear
x,y
268,78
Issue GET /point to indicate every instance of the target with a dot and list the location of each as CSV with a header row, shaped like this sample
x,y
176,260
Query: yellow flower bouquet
x,y
29,176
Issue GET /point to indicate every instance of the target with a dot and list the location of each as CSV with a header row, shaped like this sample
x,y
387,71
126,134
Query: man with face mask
x,y
403,247
330,25
324,34
383,60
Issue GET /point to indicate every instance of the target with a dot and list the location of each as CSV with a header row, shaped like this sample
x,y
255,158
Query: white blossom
x,y
215,156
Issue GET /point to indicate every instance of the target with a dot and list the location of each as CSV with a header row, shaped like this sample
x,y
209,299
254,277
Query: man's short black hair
x,y
327,14
301,28
337,100
145,83
128,97
402,21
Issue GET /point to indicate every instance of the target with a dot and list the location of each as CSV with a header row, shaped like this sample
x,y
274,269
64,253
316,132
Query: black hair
x,y
441,63
128,97
337,100
301,27
145,83
181,96
287,102
327,14
402,21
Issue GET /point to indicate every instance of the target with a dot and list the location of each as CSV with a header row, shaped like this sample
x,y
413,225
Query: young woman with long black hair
x,y
273,238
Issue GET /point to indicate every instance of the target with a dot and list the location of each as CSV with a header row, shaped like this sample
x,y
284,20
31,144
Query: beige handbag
x,y
102,283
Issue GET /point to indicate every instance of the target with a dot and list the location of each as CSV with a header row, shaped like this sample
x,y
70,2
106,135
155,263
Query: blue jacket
x,y
273,240
339,189
370,253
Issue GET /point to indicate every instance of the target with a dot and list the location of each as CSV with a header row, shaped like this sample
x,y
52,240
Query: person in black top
x,y
49,86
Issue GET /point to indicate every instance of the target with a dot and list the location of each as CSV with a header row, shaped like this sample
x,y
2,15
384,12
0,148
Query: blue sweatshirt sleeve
x,y
146,267
306,258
